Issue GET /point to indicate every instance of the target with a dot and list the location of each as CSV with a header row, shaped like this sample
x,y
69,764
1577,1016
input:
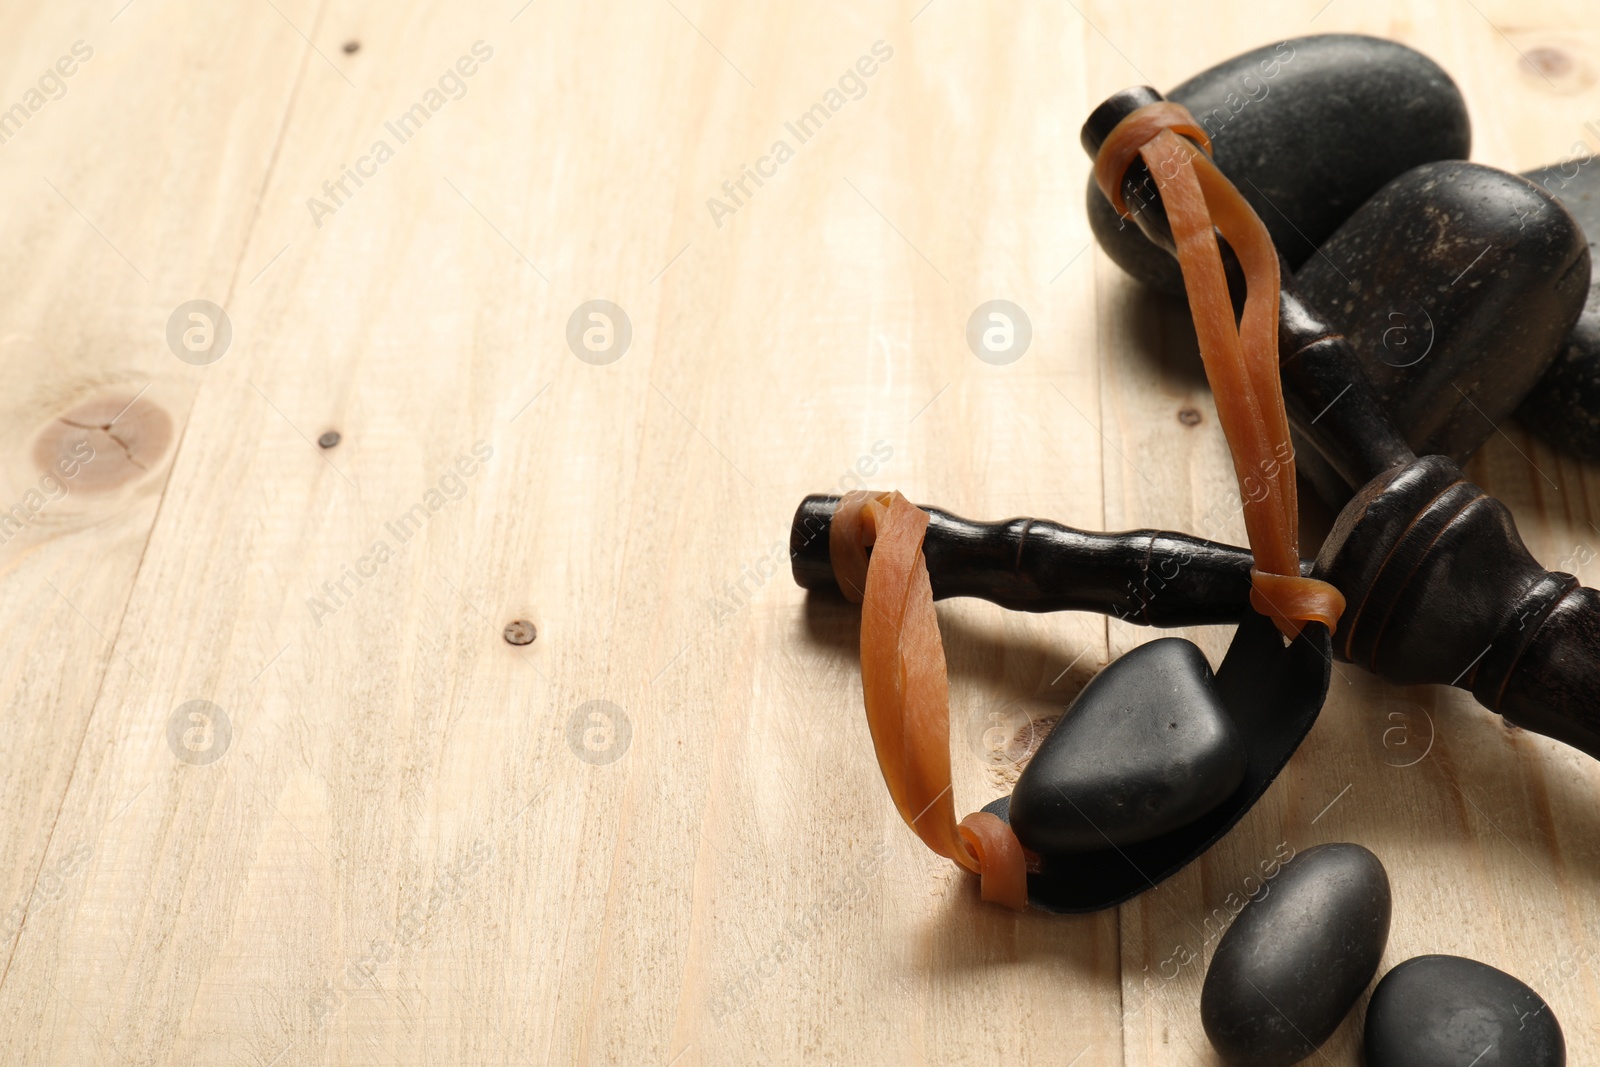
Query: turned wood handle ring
x,y
1441,589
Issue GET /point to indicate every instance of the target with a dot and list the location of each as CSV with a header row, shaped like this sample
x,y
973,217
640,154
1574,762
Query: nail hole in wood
x,y
520,632
329,439
1548,62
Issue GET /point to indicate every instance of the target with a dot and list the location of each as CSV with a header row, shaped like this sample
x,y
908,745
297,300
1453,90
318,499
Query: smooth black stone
x,y
1273,693
1293,963
1456,284
1146,747
1446,1011
1340,115
1564,408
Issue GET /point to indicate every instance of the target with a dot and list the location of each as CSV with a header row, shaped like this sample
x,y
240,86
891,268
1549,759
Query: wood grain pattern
x,y
417,846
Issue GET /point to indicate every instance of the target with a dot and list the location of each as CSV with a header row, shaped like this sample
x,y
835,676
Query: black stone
x,y
1273,693
1147,747
1456,285
1293,963
1307,129
1564,408
1446,1011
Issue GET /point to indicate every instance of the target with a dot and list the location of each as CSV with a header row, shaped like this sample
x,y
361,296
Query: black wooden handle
x,y
1440,588
1330,400
1143,576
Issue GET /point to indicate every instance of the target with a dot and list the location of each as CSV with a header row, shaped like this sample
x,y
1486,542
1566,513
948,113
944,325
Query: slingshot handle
x,y
1330,400
1143,576
1440,588
1438,585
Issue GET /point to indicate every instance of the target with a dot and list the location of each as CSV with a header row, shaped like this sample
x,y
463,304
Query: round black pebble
x,y
1456,322
1446,1011
1146,748
1293,963
1308,129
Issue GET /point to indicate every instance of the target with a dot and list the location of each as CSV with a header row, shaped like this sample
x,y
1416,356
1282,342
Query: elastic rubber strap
x,y
907,691
1241,360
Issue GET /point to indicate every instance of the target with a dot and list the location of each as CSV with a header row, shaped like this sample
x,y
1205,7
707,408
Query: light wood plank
x,y
406,853
638,908
131,171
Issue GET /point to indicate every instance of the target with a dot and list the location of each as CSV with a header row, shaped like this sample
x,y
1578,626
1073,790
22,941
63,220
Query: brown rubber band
x,y
848,543
907,690
1117,153
1241,360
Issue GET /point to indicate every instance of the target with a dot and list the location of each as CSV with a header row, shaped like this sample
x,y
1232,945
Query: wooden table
x,y
386,835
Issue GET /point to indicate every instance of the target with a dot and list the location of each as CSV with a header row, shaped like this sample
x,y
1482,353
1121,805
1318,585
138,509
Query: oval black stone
x,y
1564,408
1446,1011
1147,747
1307,129
1456,284
1293,963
